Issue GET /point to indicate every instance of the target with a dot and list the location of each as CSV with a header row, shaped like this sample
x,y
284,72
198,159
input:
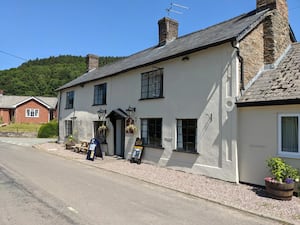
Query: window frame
x,y
33,113
147,83
70,98
153,144
279,138
68,128
183,149
99,96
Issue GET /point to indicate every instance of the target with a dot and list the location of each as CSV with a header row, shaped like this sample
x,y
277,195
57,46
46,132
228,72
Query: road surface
x,y
37,188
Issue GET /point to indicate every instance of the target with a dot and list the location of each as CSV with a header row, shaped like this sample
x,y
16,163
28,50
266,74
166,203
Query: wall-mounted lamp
x,y
185,58
101,112
130,109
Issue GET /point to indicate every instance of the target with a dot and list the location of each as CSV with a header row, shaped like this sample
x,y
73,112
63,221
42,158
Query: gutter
x,y
241,61
295,101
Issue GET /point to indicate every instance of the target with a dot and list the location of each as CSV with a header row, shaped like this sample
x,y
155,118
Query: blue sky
x,y
42,28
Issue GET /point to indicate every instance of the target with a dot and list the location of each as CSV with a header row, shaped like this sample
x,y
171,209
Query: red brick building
x,y
27,109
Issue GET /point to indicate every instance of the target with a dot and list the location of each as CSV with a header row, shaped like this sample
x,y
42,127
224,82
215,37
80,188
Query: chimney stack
x,y
92,62
276,29
168,30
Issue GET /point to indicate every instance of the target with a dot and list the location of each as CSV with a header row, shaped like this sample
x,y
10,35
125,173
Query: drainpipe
x,y
58,116
241,60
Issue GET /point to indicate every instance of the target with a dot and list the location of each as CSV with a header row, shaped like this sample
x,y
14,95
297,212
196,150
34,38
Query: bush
x,y
49,130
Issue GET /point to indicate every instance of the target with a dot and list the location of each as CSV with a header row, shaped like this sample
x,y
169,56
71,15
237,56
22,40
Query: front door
x,y
119,137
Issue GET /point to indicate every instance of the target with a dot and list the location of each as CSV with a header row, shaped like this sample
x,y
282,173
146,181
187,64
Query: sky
x,y
34,29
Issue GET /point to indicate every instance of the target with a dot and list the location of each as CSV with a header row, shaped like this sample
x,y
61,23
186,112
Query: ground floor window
x,y
151,132
187,135
32,113
68,127
288,134
100,130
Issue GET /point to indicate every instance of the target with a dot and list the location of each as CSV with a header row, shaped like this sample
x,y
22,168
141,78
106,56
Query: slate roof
x,y
11,102
277,86
233,29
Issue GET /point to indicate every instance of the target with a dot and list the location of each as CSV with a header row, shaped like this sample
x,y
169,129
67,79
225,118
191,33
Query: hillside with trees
x,y
41,77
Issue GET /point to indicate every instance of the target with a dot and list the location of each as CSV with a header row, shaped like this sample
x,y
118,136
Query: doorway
x,y
117,118
119,137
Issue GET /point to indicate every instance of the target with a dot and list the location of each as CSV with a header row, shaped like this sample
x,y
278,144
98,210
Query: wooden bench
x,y
82,147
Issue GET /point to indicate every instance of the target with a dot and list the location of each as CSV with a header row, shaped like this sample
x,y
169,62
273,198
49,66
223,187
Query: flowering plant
x,y
131,128
103,127
282,172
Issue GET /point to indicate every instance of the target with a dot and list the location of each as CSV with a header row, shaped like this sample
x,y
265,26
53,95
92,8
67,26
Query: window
x,y
70,100
288,135
151,132
187,135
152,84
100,94
32,113
68,127
100,131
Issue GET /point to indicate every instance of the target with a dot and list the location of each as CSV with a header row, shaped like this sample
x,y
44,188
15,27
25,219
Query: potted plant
x,y
281,185
70,142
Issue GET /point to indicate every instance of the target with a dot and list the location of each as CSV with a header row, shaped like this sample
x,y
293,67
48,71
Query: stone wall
x,y
252,51
268,41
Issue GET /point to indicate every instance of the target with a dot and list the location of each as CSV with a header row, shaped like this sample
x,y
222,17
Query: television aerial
x,y
174,8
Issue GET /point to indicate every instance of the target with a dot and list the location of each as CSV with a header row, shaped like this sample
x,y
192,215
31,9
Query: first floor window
x,y
288,135
100,94
152,84
187,135
151,132
32,113
68,127
69,100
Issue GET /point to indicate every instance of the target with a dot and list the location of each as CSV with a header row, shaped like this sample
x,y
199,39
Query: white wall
x,y
195,89
258,128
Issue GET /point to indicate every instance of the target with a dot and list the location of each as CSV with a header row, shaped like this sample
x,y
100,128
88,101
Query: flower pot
x,y
280,191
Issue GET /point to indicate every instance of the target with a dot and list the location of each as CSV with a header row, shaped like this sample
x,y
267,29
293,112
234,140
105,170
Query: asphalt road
x,y
37,188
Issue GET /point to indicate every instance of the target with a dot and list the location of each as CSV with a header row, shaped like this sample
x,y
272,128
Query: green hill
x,y
41,77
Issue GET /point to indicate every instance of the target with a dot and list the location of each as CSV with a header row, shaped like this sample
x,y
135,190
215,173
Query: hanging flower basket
x,y
103,128
131,129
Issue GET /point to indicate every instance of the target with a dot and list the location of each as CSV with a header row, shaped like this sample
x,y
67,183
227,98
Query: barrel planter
x,y
280,191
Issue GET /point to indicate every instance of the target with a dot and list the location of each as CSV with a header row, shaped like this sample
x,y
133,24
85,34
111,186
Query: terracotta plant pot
x,y
280,191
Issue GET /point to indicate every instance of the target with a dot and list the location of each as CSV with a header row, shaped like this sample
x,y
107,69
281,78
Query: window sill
x,y
188,152
142,99
99,104
68,108
153,146
289,155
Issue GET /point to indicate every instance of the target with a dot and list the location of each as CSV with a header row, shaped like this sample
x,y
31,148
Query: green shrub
x,y
49,130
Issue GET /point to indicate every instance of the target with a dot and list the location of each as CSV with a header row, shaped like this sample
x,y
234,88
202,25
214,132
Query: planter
x,y
280,191
297,189
70,145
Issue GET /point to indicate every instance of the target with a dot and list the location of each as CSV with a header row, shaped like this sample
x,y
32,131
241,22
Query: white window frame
x,y
32,113
280,152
